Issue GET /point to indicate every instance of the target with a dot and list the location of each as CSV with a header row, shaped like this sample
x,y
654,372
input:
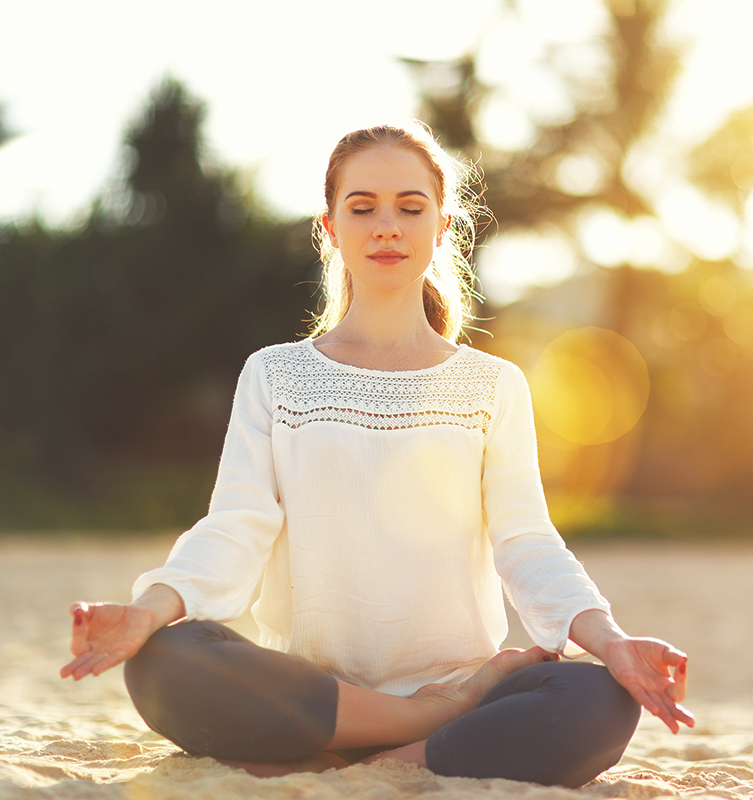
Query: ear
x,y
445,227
330,228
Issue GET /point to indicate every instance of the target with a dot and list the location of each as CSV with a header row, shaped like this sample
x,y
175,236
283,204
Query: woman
x,y
380,480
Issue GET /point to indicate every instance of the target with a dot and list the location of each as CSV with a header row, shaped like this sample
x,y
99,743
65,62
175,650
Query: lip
x,y
387,256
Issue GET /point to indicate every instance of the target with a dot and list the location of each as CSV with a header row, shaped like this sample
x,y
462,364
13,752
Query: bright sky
x,y
284,80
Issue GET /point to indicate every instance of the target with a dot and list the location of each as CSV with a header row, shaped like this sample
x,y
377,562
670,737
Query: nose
x,y
386,226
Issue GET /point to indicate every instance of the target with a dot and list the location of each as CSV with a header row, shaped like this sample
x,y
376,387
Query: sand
x,y
59,739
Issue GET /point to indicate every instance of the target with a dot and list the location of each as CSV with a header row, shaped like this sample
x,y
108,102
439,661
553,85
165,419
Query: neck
x,y
387,331
387,322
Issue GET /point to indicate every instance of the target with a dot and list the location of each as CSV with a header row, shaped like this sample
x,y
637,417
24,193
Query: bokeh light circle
x,y
590,386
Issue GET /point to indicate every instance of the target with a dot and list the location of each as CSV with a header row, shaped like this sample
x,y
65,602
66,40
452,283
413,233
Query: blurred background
x,y
160,163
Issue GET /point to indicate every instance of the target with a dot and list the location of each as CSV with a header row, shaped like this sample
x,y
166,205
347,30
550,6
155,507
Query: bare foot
x,y
500,666
410,754
451,701
456,699
276,769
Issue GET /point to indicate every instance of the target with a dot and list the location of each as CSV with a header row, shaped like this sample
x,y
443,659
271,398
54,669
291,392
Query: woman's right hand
x,y
106,634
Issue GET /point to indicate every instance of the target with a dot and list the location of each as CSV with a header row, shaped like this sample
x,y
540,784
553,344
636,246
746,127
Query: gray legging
x,y
214,693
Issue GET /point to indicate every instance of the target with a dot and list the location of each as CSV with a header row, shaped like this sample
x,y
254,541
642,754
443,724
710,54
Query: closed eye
x,y
413,211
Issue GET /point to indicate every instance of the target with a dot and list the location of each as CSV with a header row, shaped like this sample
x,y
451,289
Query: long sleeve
x,y
216,565
543,580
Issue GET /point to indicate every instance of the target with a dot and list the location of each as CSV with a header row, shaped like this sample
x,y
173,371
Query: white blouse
x,y
383,512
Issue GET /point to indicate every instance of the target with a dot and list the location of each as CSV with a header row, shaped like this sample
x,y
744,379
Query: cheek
x,y
339,232
351,234
429,234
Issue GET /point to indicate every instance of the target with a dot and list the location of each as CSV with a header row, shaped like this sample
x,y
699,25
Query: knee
x,y
158,649
554,723
158,670
610,705
575,691
213,692
604,721
602,709
177,641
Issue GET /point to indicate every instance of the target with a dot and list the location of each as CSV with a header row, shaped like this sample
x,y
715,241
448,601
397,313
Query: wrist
x,y
162,604
596,631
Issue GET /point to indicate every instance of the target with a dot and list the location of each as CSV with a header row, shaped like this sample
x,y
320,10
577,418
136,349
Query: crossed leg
x,y
212,692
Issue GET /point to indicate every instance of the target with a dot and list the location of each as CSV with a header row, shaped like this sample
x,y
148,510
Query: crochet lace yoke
x,y
307,386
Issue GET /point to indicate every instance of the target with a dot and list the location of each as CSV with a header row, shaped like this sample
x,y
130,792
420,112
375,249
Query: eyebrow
x,y
372,195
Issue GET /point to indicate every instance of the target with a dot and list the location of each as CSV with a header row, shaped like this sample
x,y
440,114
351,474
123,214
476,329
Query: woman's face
x,y
386,220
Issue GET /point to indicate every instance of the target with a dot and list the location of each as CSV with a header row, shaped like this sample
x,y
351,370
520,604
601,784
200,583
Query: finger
x,y
678,713
74,668
657,705
108,661
667,711
685,716
673,657
643,697
678,688
671,713
66,670
81,616
79,608
88,665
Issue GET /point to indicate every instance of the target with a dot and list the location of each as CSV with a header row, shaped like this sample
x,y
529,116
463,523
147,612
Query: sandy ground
x,y
64,740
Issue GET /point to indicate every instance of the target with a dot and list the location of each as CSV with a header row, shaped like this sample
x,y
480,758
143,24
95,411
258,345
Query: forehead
x,y
388,170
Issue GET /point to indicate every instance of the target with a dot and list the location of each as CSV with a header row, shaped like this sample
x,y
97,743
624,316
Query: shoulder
x,y
281,351
282,369
263,365
508,384
277,355
503,369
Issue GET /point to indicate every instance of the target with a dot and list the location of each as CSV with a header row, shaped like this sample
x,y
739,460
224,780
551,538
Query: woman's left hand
x,y
654,673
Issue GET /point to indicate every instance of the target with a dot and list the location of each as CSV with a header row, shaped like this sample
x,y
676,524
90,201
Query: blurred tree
x,y
123,339
5,132
167,170
723,165
607,106
559,128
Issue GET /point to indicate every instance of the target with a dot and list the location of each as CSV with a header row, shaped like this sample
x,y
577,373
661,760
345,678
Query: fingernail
x,y
683,668
78,618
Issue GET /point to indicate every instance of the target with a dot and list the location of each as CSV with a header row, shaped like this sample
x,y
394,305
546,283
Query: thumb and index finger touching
x,y
82,614
91,650
673,657
677,662
79,609
660,683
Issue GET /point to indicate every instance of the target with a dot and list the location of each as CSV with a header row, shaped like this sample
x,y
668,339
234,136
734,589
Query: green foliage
x,y
5,133
614,107
694,444
143,496
122,340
